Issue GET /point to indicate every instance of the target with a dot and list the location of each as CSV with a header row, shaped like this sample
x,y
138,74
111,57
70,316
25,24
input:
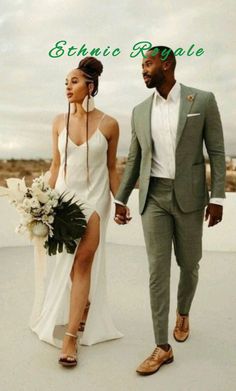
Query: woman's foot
x,y
68,354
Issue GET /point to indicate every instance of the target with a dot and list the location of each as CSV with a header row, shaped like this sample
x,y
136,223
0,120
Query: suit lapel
x,y
186,101
146,119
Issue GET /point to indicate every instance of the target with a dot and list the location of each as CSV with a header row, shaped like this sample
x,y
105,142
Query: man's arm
x,y
129,178
214,141
132,168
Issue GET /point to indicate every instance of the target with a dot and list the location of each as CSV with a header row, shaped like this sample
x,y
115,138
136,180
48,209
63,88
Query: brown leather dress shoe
x,y
181,330
155,361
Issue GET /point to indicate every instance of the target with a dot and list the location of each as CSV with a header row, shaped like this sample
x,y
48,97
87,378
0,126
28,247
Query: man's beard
x,y
156,81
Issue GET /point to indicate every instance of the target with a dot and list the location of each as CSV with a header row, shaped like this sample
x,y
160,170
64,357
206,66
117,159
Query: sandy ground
x,y
33,168
205,362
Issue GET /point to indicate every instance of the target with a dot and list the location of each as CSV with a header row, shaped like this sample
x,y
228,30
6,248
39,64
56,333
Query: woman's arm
x,y
54,168
111,155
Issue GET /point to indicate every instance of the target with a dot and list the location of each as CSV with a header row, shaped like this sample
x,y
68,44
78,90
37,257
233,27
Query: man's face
x,y
153,73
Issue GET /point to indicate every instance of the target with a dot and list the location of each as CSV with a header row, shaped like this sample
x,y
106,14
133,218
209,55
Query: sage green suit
x,y
172,210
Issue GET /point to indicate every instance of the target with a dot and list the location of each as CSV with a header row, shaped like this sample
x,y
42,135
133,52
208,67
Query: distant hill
x,y
32,168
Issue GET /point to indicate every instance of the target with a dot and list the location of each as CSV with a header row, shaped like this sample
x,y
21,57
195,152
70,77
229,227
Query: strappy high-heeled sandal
x,y
68,359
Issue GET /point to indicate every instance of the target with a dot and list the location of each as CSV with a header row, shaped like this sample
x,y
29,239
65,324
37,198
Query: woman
x,y
84,161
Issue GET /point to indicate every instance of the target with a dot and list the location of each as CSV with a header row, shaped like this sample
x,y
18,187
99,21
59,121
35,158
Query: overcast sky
x,y
32,83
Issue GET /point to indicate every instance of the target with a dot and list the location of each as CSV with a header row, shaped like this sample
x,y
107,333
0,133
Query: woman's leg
x,y
81,273
86,310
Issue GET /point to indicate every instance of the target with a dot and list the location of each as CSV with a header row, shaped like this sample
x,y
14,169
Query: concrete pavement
x,y
205,362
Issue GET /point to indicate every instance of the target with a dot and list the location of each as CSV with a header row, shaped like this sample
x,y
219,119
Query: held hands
x,y
122,214
215,212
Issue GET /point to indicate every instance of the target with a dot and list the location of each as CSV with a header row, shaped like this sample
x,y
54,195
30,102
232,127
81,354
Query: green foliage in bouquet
x,y
68,226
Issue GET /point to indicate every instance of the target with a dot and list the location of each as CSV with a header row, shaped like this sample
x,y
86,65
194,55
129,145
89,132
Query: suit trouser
x,y
163,223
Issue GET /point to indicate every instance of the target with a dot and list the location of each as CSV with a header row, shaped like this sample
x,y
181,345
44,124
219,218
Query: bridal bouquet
x,y
46,214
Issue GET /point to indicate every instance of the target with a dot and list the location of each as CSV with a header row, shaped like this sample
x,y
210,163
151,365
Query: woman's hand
x,y
122,214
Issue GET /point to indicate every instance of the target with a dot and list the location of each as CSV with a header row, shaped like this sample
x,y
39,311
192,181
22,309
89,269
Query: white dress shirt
x,y
164,121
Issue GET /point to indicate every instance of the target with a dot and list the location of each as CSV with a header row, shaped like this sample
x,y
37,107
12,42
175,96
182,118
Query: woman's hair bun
x,y
92,66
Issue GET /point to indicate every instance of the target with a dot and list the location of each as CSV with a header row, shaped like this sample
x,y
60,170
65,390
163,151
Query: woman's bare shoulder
x,y
110,120
58,123
110,125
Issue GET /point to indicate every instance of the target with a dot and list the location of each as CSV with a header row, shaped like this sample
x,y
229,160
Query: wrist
x,y
117,202
217,201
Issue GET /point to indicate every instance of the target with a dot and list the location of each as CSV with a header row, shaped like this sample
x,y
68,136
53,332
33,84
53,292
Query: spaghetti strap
x,y
99,123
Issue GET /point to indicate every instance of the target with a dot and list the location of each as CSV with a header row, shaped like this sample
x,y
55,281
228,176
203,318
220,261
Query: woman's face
x,y
76,87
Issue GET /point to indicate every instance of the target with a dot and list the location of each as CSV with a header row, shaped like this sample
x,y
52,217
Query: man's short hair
x,y
165,53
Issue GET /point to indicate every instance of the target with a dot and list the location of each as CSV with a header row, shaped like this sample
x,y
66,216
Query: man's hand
x,y
122,214
215,212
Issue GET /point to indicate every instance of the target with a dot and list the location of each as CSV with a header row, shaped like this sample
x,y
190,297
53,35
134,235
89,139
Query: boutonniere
x,y
190,98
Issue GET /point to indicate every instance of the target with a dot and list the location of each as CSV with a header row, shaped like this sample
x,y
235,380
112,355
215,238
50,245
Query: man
x,y
166,153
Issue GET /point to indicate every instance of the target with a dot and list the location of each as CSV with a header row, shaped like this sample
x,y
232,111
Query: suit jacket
x,y
190,178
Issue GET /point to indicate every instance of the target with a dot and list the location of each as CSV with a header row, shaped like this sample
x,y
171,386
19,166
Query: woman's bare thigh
x,y
90,240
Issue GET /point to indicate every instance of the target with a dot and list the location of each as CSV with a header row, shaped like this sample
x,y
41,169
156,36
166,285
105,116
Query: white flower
x,y
26,204
34,203
35,185
50,219
39,229
42,196
36,212
47,208
47,219
54,194
16,189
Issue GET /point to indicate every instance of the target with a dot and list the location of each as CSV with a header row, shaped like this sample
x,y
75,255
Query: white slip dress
x,y
50,324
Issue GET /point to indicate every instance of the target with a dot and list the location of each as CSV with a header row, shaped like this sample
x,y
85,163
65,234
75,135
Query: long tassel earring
x,y
87,162
88,103
66,145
